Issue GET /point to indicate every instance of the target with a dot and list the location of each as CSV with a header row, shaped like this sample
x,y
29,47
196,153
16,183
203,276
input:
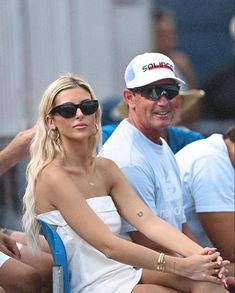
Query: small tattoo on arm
x,y
140,214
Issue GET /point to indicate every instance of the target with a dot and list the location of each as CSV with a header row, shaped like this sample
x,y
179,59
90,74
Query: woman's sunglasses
x,y
154,92
69,110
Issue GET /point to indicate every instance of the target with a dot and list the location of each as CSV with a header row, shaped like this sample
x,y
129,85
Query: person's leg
x,y
17,277
144,288
180,283
42,262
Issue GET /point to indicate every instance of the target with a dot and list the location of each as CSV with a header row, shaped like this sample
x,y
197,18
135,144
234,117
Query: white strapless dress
x,y
90,270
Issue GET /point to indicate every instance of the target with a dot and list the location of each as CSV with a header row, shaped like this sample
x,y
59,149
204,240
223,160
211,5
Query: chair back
x,y
60,267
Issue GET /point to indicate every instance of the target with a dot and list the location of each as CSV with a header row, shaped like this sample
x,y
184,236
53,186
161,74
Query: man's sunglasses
x,y
155,91
69,110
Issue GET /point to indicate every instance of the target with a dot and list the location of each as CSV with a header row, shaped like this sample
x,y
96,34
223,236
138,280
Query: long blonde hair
x,y
45,147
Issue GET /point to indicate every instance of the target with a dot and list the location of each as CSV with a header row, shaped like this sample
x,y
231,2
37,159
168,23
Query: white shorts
x,y
4,257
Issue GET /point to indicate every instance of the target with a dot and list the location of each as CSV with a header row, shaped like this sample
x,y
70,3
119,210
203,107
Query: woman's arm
x,y
140,216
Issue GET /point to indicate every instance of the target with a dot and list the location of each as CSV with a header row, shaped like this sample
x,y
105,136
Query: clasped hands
x,y
208,265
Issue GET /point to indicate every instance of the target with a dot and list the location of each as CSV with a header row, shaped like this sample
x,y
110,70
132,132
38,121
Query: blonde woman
x,y
84,198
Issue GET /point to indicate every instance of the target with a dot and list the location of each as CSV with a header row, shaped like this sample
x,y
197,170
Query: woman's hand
x,y
206,265
221,271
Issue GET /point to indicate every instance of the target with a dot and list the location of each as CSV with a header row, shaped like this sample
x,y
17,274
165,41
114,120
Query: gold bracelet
x,y
161,263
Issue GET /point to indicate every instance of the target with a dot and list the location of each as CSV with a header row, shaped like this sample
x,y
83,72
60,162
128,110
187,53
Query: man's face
x,y
152,116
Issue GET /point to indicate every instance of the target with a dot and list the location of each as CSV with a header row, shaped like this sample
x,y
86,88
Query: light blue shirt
x,y
151,169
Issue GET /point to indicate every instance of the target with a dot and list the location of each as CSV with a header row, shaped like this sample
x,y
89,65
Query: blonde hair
x,y
45,148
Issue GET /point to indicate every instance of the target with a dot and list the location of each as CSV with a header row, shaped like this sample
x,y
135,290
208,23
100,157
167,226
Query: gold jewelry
x,y
96,129
161,263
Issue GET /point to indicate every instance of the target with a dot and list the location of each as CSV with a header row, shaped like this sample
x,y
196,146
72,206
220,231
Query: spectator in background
x,y
20,270
207,173
15,151
107,106
165,42
219,103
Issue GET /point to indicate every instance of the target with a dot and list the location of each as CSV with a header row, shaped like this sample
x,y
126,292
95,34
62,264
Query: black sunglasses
x,y
154,92
69,110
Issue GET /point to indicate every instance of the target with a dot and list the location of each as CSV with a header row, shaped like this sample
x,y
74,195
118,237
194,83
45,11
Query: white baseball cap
x,y
149,67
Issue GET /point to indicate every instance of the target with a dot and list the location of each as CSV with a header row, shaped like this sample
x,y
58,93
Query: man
x,y
136,144
207,173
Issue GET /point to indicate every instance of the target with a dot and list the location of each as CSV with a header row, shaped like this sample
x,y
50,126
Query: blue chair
x,y
60,268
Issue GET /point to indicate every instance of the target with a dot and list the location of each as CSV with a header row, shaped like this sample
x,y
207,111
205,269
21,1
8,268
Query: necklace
x,y
89,180
89,173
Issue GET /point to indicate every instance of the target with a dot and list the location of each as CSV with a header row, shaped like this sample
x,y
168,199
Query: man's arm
x,y
187,231
139,238
220,228
16,150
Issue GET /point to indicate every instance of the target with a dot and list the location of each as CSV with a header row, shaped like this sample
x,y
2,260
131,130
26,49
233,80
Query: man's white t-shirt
x,y
208,181
151,169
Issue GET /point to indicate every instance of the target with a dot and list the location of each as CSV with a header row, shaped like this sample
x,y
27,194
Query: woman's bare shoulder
x,y
51,173
105,163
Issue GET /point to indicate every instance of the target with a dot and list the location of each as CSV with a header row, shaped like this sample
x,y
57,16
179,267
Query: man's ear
x,y
129,97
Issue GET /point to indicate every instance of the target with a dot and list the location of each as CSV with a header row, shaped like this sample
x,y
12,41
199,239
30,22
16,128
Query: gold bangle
x,y
161,263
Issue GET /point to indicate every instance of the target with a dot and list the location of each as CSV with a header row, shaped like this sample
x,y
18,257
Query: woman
x,y
83,196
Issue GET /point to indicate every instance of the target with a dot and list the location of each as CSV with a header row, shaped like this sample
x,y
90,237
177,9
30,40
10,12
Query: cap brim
x,y
121,110
190,98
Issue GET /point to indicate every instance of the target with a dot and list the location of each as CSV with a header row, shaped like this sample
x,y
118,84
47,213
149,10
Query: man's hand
x,y
8,246
16,150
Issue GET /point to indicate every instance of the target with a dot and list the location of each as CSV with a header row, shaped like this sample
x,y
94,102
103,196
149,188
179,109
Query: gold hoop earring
x,y
53,134
96,129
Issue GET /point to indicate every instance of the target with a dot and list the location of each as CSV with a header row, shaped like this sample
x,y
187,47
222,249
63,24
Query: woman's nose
x,y
79,113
